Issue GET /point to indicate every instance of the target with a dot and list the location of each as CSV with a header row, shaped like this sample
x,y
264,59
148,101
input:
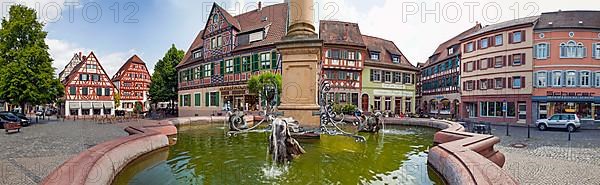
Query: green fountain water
x,y
204,155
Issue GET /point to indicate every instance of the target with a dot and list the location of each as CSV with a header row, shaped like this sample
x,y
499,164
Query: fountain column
x,y
301,52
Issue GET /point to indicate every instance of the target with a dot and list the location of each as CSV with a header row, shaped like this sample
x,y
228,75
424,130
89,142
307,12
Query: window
x,y
197,99
470,85
187,102
265,60
229,66
387,76
517,37
516,82
198,72
498,40
541,51
215,18
584,77
375,75
84,91
484,43
483,84
499,62
90,66
470,66
198,54
377,103
469,47
499,83
517,59
407,78
541,79
83,77
596,50
219,41
572,50
107,92
208,70
99,91
374,55
214,99
72,90
388,103
597,79
450,51
557,78
510,109
483,63
397,77
571,77
213,43
396,60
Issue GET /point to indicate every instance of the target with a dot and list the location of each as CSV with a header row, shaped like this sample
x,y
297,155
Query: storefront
x,y
584,106
239,97
498,109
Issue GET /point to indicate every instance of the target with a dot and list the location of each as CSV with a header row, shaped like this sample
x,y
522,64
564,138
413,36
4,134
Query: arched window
x,y
572,49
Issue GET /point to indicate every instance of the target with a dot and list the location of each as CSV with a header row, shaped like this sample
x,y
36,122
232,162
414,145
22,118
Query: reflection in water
x,y
203,155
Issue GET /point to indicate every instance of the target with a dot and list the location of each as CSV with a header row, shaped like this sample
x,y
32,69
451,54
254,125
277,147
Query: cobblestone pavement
x,y
549,158
27,157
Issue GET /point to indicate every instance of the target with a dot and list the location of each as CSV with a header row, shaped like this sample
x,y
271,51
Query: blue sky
x,y
412,25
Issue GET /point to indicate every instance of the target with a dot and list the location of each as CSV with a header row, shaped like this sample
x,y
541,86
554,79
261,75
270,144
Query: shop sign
x,y
381,92
392,86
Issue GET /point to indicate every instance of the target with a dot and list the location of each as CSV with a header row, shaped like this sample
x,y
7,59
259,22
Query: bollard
x,y
507,129
528,131
569,135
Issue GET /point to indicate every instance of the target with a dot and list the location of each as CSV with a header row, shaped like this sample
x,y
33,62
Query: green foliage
x,y
164,79
344,108
257,82
26,75
138,107
117,99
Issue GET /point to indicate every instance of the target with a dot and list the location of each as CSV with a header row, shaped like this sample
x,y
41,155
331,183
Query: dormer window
x,y
374,55
450,51
198,53
395,59
256,36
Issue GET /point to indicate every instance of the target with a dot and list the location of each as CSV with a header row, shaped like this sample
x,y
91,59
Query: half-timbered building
x,y
132,81
88,89
70,66
225,54
342,61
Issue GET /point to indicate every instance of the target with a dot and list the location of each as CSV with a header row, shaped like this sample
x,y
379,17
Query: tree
x,y
164,79
257,83
117,99
26,75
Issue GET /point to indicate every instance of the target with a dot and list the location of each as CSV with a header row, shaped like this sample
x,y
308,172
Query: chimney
x,y
80,55
259,6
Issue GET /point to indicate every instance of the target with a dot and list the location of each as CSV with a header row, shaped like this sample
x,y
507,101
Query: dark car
x,y
15,117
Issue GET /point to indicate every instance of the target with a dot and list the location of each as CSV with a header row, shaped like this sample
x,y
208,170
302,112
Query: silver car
x,y
567,121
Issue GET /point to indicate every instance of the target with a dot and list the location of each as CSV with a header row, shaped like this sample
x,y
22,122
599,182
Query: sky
x,y
117,29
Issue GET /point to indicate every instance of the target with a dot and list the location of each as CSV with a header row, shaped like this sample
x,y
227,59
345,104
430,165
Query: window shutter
x,y
563,78
477,64
255,62
476,85
197,99
478,44
535,51
372,75
503,82
594,51
523,36
523,59
522,82
510,82
577,78
464,86
274,60
490,62
592,79
510,38
222,67
510,60
217,99
491,84
237,63
207,99
492,41
549,79
548,50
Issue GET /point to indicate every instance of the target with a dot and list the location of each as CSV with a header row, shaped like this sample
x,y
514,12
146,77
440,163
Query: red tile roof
x,y
569,19
441,52
195,45
342,33
386,49
132,59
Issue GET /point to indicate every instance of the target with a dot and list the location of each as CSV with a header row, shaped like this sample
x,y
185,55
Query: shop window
x,y
377,103
543,111
472,110
388,103
85,112
407,105
510,109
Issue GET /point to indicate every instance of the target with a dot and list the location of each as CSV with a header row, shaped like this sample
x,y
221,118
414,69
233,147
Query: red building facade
x,y
133,82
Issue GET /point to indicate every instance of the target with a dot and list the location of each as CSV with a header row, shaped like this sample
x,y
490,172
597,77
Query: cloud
x,y
62,52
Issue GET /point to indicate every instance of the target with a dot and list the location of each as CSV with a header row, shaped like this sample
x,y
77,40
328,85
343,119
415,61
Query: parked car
x,y
567,121
16,117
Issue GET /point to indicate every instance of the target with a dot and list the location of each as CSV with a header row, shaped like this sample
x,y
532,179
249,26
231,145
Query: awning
x,y
74,105
86,105
98,105
108,105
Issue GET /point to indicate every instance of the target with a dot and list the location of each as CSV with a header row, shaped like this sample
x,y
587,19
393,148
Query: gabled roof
x,y
71,77
133,59
386,48
441,52
272,19
502,25
569,19
73,62
342,33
